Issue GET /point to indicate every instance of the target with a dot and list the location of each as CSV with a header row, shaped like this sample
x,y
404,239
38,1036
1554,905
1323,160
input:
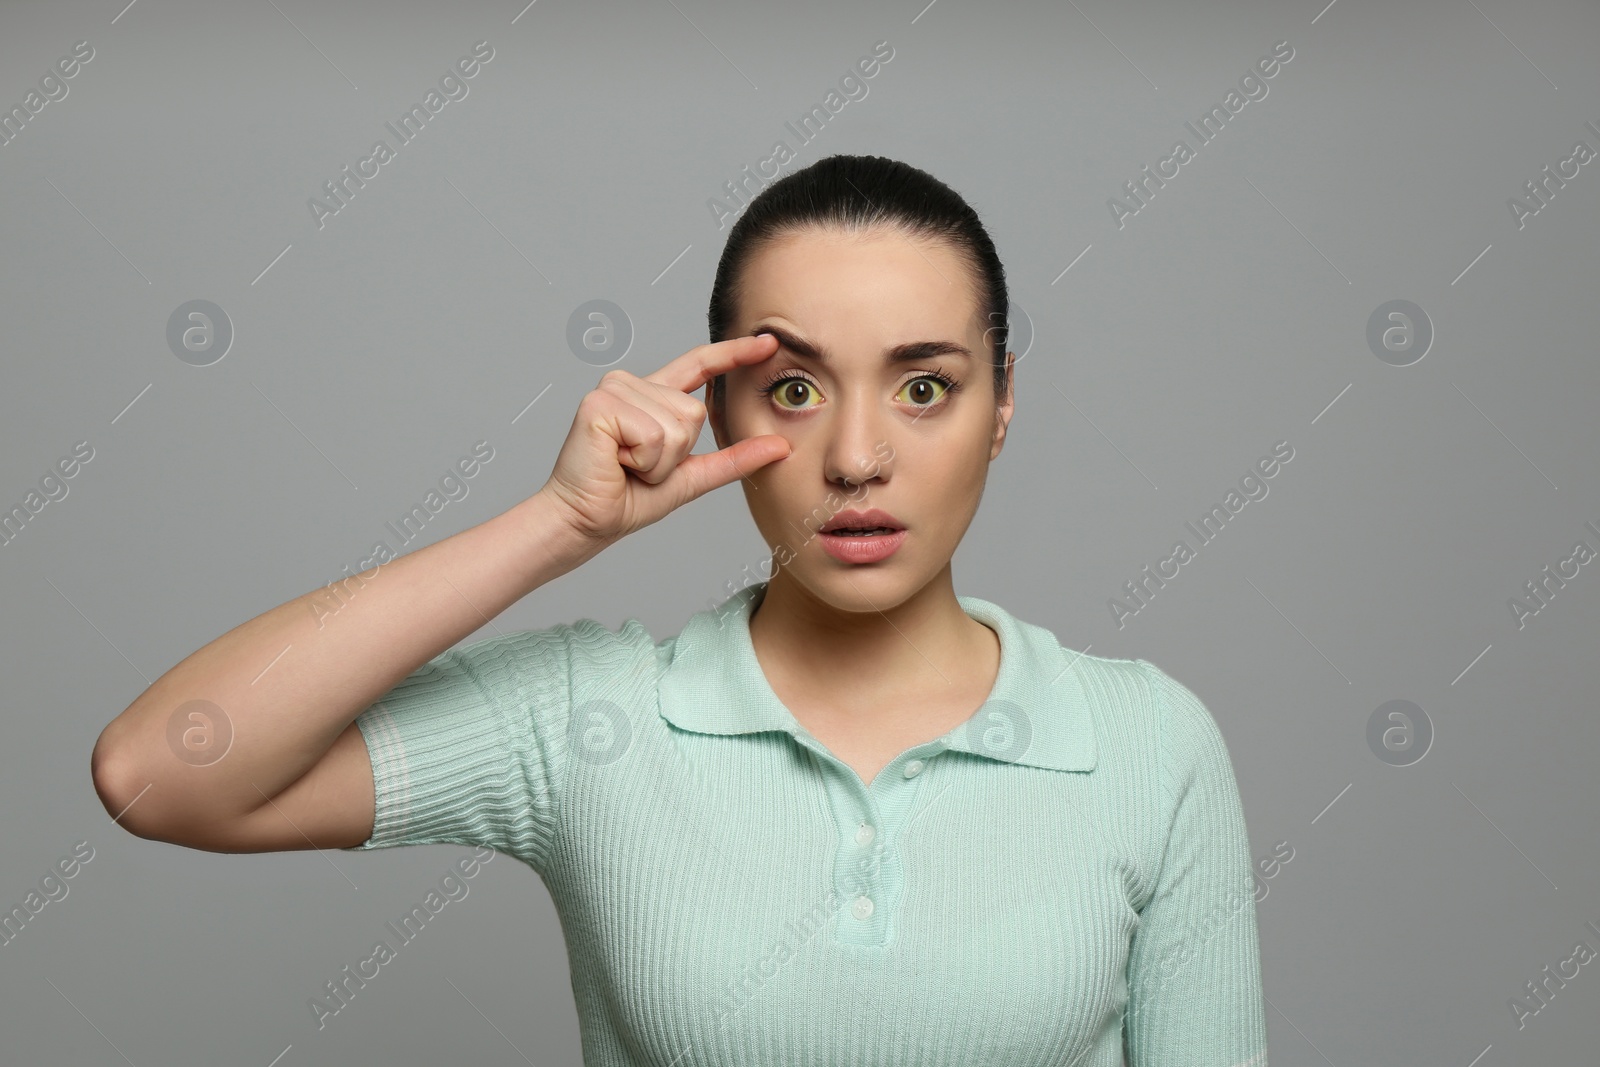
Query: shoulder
x,y
1149,714
1137,687
1193,754
1128,696
1186,722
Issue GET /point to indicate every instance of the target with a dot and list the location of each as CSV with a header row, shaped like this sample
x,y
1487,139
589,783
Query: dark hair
x,y
853,193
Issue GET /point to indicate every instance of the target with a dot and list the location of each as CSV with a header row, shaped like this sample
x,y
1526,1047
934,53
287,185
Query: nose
x,y
858,442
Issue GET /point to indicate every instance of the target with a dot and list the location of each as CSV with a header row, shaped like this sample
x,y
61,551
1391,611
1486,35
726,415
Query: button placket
x,y
867,871
869,921
861,864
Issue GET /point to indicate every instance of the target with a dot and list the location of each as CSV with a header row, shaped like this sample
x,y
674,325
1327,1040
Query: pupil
x,y
920,386
797,392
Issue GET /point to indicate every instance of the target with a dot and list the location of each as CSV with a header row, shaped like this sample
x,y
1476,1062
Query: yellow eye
x,y
942,383
787,389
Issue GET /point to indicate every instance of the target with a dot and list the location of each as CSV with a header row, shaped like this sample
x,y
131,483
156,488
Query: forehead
x,y
872,289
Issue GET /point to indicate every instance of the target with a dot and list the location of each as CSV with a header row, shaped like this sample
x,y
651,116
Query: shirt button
x,y
862,908
913,768
865,834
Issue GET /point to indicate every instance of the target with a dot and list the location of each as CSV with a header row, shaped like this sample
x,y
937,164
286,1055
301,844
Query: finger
x,y
669,405
639,436
689,406
680,429
703,473
702,363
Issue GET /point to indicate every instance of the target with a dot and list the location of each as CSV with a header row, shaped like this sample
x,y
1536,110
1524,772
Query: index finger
x,y
702,363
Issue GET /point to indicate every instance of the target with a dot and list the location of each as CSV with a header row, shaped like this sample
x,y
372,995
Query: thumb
x,y
716,469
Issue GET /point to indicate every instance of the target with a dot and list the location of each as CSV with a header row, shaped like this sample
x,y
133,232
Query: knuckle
x,y
597,403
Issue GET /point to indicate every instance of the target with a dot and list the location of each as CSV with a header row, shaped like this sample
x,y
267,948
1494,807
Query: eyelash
x,y
950,384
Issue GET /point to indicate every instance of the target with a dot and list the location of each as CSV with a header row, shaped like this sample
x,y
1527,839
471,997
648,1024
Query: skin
x,y
871,658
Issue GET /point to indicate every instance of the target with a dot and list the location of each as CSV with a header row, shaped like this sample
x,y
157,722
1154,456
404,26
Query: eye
x,y
921,397
794,387
790,388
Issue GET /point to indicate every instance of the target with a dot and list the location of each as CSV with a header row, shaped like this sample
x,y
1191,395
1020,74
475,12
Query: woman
x,y
845,816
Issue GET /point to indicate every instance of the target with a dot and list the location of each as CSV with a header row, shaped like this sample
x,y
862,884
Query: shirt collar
x,y
1036,714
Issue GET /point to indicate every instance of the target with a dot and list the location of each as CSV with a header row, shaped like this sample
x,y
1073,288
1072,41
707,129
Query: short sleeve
x,y
1194,968
468,748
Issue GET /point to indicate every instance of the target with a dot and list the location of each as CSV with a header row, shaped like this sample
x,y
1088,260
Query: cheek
x,y
952,472
961,452
778,491
748,415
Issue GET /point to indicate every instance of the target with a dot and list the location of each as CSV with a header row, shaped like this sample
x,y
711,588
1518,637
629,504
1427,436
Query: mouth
x,y
862,547
874,523
862,536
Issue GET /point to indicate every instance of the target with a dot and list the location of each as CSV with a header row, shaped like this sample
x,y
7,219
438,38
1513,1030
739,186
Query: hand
x,y
626,463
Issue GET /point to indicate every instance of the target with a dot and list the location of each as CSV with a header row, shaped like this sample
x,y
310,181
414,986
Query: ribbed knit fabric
x,y
1063,879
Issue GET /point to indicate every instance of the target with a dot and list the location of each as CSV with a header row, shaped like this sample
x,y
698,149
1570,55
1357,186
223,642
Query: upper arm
x,y
330,806
451,754
468,749
1194,965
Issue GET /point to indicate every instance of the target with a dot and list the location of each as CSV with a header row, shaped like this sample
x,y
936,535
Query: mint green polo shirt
x,y
1065,878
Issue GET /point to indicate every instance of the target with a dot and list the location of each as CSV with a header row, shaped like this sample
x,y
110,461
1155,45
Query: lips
x,y
862,520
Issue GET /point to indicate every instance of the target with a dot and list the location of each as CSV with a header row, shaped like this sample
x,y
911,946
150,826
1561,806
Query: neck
x,y
917,644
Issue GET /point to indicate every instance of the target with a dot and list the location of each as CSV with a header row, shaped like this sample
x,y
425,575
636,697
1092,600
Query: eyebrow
x,y
908,352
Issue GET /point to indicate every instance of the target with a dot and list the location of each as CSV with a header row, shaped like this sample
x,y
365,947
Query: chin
x,y
858,587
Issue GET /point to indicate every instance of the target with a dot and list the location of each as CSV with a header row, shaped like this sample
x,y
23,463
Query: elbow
x,y
147,806
119,785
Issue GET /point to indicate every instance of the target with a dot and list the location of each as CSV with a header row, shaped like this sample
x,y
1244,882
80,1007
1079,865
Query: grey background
x,y
1227,315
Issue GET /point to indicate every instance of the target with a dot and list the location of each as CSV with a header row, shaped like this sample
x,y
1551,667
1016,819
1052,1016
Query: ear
x,y
1002,418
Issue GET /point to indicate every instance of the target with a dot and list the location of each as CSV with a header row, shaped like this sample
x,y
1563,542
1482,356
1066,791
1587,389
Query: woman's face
x,y
866,432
